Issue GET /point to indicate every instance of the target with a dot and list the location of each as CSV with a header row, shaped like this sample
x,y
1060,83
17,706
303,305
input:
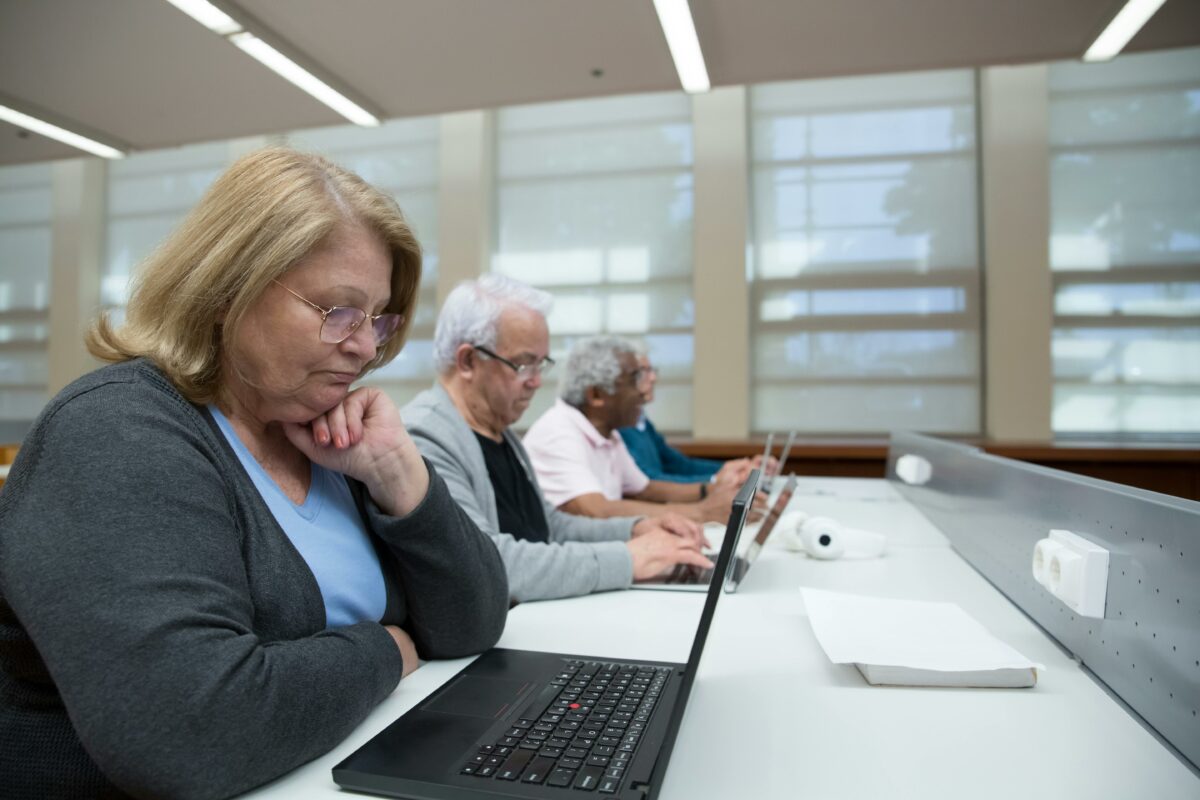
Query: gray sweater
x,y
159,634
583,555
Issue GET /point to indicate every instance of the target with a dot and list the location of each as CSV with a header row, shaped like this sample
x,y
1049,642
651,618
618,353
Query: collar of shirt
x,y
586,427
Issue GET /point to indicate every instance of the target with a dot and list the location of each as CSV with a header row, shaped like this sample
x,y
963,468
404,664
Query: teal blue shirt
x,y
660,461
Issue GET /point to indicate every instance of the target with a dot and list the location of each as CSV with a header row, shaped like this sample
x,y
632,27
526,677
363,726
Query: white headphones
x,y
826,539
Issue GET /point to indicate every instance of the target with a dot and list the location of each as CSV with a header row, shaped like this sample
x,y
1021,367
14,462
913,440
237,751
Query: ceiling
x,y
141,73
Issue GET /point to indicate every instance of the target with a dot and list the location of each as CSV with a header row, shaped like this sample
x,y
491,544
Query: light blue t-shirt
x,y
328,532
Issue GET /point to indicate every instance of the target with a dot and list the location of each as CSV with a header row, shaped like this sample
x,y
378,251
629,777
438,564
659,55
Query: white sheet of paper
x,y
855,629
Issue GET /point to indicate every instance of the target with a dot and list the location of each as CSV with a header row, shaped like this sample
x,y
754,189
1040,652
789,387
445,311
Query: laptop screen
x,y
733,531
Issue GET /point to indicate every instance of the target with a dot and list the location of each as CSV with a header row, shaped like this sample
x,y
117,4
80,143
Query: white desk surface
x,y
771,717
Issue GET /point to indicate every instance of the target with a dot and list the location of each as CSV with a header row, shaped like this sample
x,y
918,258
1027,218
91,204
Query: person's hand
x,y
758,508
408,650
672,523
771,468
716,506
658,550
363,437
734,473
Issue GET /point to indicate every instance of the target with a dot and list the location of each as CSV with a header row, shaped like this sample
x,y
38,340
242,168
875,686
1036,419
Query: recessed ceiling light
x,y
1124,26
676,19
220,22
298,75
50,131
208,15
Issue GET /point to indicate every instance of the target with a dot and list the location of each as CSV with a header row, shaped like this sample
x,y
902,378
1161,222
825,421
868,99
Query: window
x,y
594,204
26,209
148,195
400,158
1125,245
865,294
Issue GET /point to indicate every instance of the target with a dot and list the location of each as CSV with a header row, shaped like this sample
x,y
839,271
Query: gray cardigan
x,y
583,555
159,634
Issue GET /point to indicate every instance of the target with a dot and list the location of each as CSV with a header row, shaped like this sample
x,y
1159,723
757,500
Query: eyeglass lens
x,y
341,322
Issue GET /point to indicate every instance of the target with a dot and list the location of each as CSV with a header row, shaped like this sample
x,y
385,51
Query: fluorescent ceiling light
x,y
208,15
1124,26
217,21
676,20
63,135
286,68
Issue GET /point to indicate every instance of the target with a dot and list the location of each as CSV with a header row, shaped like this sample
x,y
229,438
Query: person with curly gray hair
x,y
492,349
581,461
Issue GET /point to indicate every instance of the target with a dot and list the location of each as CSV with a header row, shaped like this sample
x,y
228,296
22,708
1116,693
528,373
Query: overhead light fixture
x,y
283,66
1124,26
50,131
208,15
248,36
676,19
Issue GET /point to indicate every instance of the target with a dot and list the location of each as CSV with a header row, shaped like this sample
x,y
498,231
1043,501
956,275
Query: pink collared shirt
x,y
572,459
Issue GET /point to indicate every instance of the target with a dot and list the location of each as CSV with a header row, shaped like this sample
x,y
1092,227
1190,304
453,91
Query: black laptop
x,y
519,723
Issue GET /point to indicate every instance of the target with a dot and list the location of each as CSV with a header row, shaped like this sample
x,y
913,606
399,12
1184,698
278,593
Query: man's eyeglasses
x,y
539,367
644,374
338,323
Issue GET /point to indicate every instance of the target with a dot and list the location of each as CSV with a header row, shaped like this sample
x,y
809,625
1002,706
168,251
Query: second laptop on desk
x,y
525,724
686,578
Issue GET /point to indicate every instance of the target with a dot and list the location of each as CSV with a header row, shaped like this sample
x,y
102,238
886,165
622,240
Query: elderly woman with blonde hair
x,y
215,556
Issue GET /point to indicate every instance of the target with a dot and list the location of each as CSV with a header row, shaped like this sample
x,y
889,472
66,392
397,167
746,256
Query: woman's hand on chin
x,y
364,438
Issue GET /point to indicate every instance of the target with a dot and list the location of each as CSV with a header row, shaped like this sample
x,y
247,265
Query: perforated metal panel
x,y
1147,646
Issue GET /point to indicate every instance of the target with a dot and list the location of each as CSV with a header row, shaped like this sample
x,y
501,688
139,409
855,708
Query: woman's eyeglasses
x,y
338,323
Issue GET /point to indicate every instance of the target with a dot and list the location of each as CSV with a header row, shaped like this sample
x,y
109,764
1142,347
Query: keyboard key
x,y
485,771
597,761
560,777
469,769
588,778
510,770
576,752
538,770
614,772
609,785
570,763
550,752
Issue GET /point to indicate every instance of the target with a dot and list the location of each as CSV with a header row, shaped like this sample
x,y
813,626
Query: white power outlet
x,y
1075,571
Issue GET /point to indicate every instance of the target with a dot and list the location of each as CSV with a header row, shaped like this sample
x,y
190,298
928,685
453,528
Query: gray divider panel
x,y
1147,646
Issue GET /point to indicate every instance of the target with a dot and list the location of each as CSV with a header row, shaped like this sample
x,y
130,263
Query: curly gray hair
x,y
472,312
595,361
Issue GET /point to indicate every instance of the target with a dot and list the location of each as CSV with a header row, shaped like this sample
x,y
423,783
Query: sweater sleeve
x,y
535,570
123,557
454,583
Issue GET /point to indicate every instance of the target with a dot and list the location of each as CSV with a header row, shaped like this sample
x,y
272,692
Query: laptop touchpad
x,y
475,696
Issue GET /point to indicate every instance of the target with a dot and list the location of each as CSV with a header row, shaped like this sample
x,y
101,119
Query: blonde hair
x,y
270,209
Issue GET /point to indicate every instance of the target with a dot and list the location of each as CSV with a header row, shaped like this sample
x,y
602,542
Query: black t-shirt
x,y
517,503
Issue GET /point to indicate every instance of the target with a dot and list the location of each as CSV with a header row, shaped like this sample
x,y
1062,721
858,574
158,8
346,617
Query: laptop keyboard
x,y
580,731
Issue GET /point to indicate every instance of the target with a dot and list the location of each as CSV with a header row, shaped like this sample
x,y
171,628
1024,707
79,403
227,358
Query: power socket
x,y
1073,569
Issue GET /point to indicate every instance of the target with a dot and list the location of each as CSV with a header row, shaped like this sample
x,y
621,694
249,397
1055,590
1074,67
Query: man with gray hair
x,y
491,349
580,460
